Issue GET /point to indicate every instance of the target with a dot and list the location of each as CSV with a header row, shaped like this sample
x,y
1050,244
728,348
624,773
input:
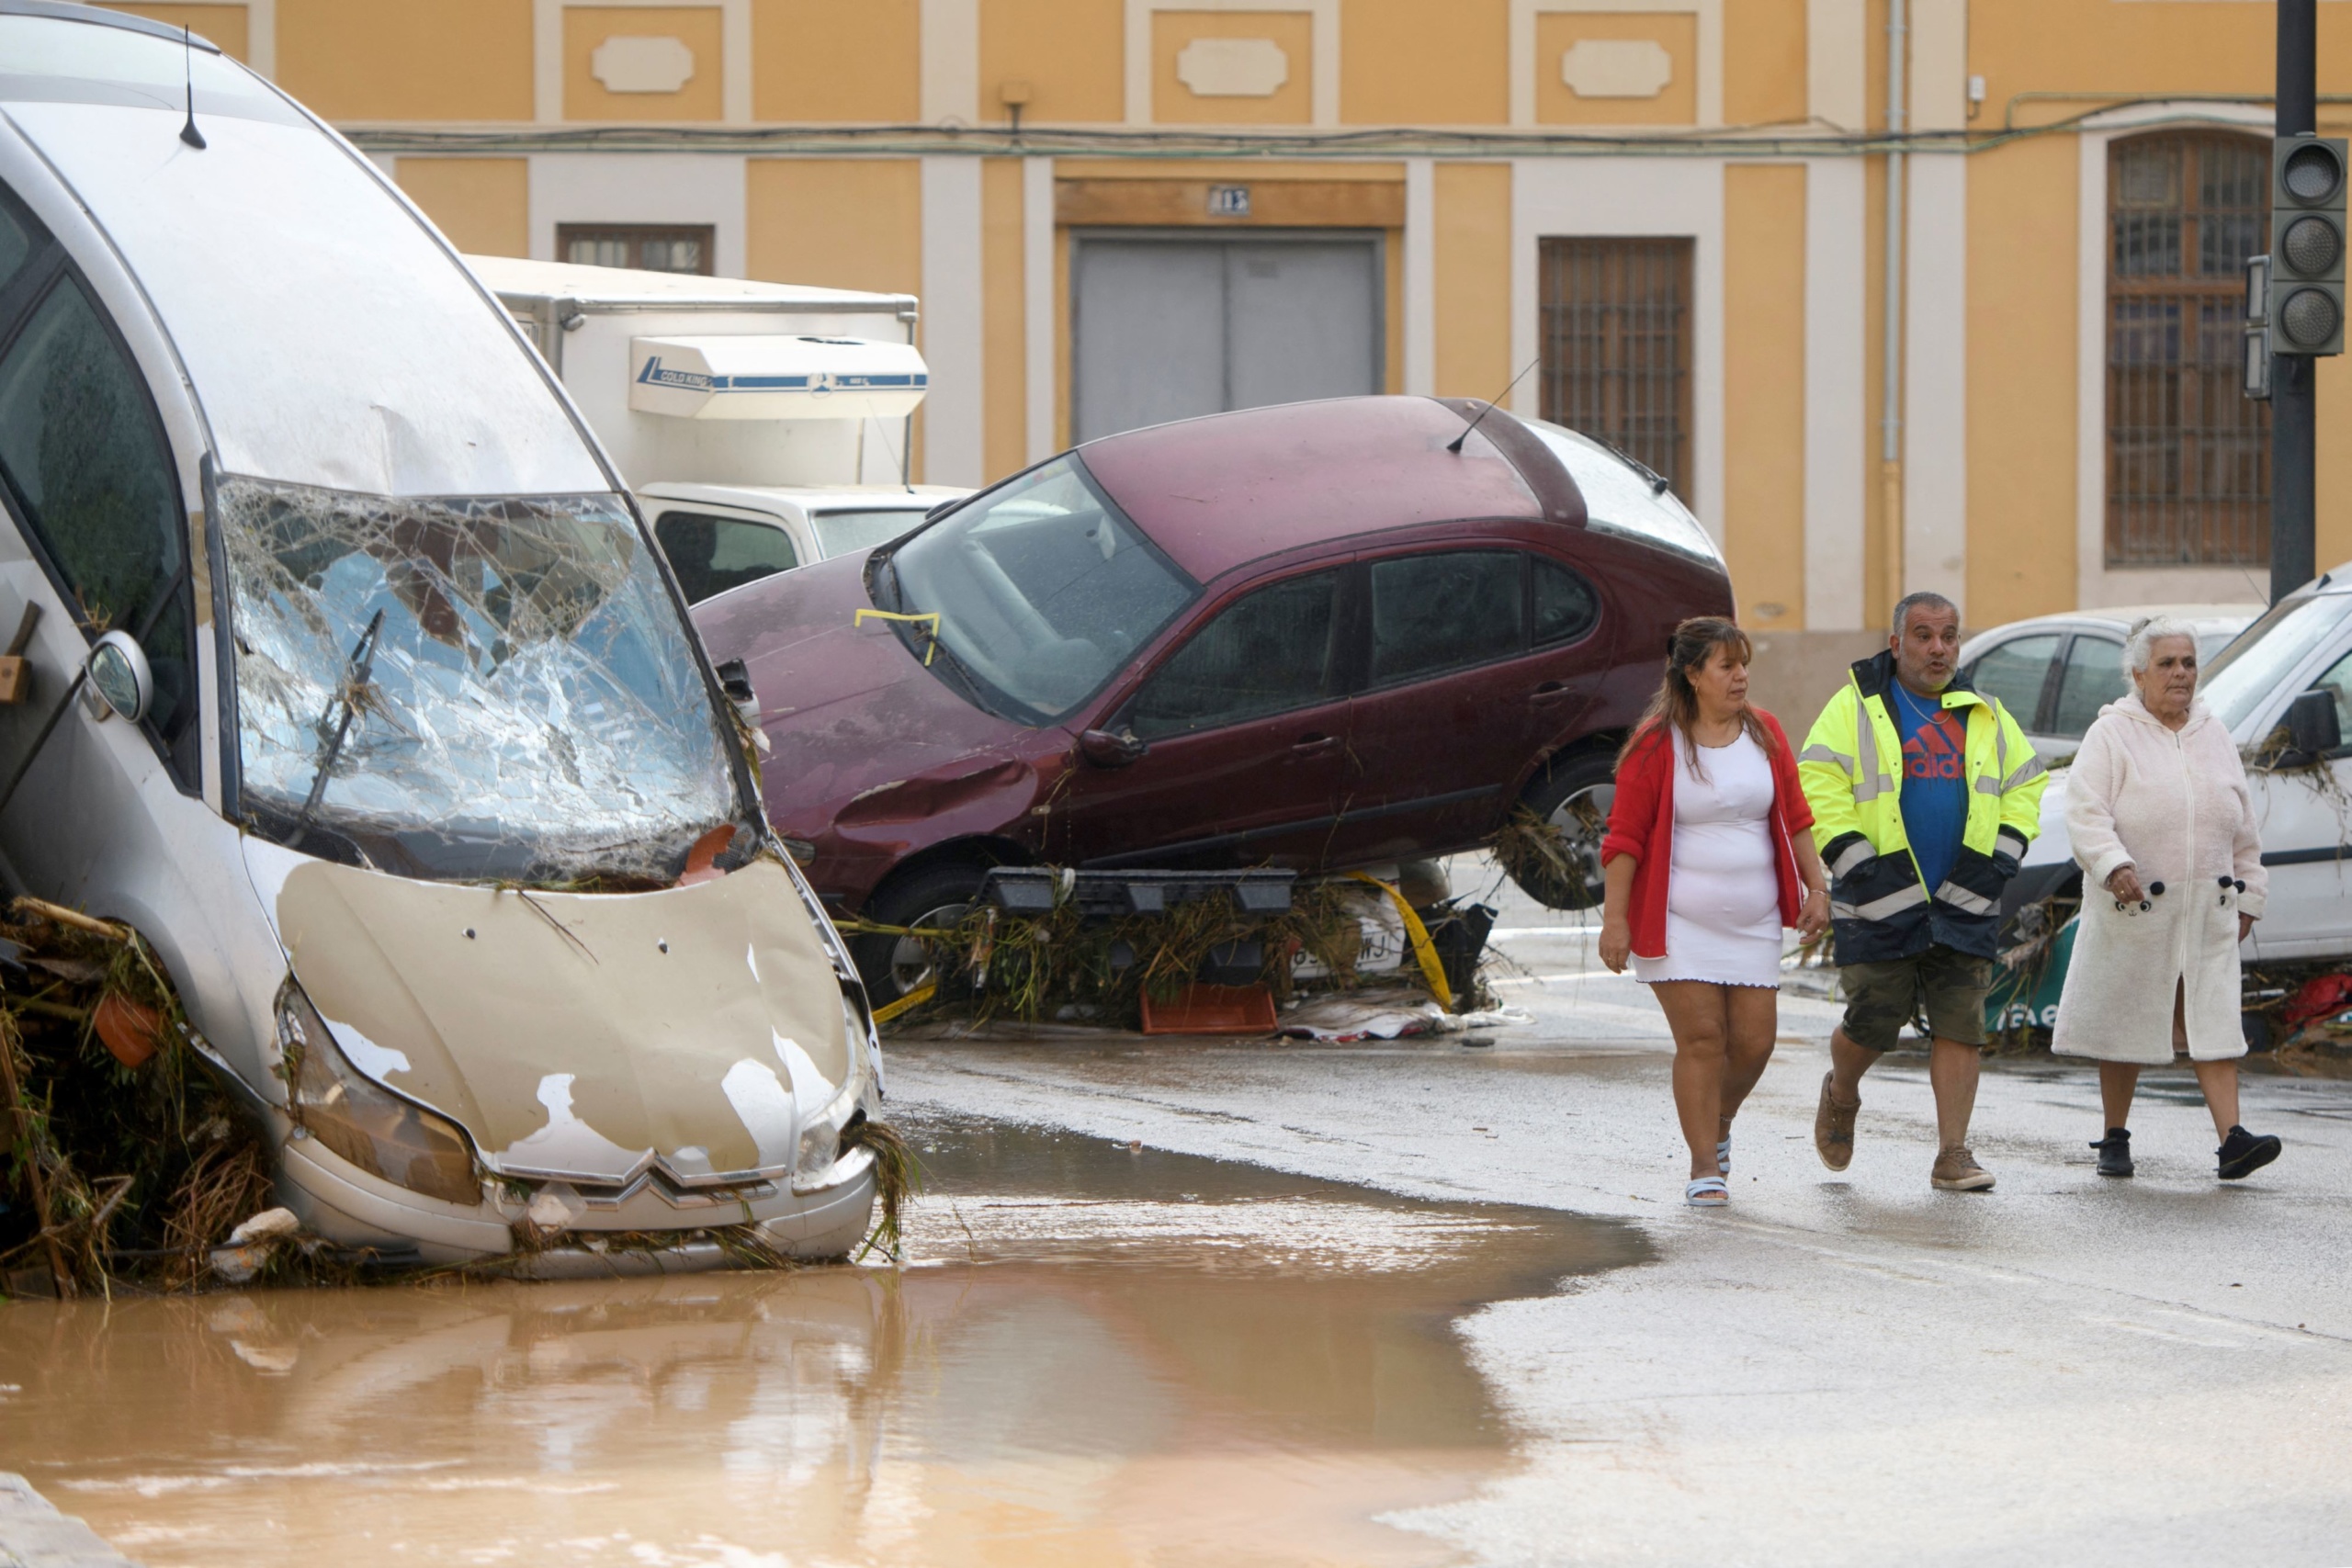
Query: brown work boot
x,y
1833,1127
1957,1171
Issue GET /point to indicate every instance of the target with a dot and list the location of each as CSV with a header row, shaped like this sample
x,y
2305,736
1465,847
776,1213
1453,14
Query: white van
x,y
765,425
360,689
2283,689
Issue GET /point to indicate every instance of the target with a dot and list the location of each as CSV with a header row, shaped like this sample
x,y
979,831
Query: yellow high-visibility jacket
x,y
1852,771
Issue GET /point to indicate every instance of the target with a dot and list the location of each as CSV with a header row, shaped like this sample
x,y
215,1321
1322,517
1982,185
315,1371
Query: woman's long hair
x,y
1691,648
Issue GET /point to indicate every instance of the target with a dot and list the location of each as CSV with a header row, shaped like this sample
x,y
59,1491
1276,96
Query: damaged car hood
x,y
844,704
585,1037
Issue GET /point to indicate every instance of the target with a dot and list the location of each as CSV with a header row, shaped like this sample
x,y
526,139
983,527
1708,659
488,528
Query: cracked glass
x,y
467,689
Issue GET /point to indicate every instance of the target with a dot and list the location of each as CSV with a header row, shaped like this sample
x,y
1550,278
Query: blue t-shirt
x,y
1935,781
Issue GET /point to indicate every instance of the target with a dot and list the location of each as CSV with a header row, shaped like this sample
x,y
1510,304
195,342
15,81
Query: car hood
x,y
847,707
579,1036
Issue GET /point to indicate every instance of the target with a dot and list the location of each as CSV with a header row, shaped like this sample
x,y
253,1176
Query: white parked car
x,y
721,537
2054,673
2283,688
402,754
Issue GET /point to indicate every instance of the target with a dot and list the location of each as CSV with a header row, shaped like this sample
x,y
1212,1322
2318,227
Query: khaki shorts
x,y
1950,986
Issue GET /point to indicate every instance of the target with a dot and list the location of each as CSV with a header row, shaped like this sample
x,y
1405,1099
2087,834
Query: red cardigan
x,y
1641,824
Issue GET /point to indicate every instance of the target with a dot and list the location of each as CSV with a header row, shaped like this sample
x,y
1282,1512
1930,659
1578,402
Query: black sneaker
x,y
2115,1151
2243,1154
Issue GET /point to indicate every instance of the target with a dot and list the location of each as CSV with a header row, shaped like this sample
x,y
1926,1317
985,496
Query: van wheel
x,y
1573,799
935,897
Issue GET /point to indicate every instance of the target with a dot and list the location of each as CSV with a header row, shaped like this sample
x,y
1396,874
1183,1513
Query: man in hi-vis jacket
x,y
1924,794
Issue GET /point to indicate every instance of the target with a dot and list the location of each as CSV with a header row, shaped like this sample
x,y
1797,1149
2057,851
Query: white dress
x,y
1723,898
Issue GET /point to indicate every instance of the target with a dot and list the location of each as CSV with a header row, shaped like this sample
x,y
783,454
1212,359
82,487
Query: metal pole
x,y
1891,333
2294,406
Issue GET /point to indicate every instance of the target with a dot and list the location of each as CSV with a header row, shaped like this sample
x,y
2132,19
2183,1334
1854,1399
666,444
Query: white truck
x,y
761,425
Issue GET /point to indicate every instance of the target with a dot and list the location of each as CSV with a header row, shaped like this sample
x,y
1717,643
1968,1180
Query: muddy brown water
x,y
1096,1354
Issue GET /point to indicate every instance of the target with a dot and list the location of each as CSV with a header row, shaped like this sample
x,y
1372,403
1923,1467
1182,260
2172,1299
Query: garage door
x,y
1169,328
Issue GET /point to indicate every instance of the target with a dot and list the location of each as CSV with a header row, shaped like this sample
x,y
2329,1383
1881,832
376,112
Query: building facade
x,y
1672,216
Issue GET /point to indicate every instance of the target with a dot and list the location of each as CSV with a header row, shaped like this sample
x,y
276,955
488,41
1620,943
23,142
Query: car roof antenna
x,y
188,133
1454,446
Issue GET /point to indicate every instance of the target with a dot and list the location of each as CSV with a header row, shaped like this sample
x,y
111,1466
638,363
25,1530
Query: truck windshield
x,y
2248,671
1042,589
466,689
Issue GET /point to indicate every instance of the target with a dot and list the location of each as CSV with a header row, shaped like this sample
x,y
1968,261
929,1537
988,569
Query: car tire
x,y
934,896
1574,795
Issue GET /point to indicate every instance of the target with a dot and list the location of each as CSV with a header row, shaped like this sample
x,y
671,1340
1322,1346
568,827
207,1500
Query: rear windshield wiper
x,y
354,681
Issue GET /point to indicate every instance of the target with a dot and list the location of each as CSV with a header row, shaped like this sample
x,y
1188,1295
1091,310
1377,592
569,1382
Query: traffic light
x,y
2307,189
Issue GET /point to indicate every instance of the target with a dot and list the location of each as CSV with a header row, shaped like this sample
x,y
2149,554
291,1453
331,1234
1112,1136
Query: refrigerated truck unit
x,y
721,380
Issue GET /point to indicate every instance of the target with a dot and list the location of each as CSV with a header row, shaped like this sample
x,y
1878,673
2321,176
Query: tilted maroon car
x,y
1311,636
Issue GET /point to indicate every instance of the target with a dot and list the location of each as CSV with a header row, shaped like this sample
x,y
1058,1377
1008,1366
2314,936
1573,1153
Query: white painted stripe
x,y
1836,84
1039,322
954,450
1421,276
950,61
1837,413
1935,425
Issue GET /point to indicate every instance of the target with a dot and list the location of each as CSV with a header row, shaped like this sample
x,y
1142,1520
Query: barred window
x,y
1617,347
673,248
2188,456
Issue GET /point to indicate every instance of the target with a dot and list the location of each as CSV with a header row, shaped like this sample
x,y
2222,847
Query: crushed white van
x,y
360,689
765,425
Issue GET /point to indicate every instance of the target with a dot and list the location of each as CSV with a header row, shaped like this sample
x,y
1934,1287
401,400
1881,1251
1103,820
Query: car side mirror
x,y
2312,726
118,678
1106,749
735,680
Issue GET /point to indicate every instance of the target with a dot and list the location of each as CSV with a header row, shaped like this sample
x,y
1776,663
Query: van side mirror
x,y
118,678
2312,726
1106,749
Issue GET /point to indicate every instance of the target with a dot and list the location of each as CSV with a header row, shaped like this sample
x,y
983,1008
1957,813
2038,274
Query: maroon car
x,y
1314,636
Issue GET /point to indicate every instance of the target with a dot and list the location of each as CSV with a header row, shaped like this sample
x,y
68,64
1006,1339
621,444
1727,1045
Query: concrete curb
x,y
35,1535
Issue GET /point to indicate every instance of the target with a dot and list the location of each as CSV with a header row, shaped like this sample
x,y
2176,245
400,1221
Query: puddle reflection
x,y
1096,1355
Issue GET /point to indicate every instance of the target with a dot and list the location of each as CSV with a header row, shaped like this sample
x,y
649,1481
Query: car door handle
x,y
1314,745
1550,691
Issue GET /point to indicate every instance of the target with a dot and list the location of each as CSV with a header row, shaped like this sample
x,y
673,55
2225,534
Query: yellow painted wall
x,y
462,60
697,27
1557,32
1764,392
1173,103
821,59
483,204
2023,373
1409,63
2081,47
227,26
1070,53
1473,282
1004,344
1764,63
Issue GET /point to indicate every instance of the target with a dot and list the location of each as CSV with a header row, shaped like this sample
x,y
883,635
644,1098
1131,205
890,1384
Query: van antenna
x,y
188,133
1454,446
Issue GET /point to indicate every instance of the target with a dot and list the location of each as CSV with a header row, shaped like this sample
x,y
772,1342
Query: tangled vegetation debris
x,y
1541,858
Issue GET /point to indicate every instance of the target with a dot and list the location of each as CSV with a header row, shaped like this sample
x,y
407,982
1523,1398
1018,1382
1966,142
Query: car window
x,y
712,554
2337,683
14,245
1442,612
2093,677
87,469
845,533
1265,653
1564,603
2015,671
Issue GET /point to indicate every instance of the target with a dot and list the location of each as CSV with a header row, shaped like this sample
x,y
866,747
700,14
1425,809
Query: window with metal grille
x,y
1617,347
2188,456
678,247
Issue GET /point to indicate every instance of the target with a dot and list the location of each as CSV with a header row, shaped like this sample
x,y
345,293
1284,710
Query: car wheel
x,y
936,897
1574,798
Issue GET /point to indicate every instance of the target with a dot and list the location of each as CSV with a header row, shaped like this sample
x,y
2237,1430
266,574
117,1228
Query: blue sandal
x,y
1707,1193
1723,1156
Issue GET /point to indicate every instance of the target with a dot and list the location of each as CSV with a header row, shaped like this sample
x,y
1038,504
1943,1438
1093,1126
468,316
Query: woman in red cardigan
x,y
1707,858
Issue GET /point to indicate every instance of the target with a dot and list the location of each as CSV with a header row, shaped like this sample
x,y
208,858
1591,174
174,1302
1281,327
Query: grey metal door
x,y
1171,327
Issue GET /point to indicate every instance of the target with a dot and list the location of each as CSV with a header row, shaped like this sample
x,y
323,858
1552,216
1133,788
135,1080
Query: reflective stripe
x,y
1869,780
1851,856
2030,769
1841,911
2000,744
1989,785
1960,897
1824,754
1892,904
2009,836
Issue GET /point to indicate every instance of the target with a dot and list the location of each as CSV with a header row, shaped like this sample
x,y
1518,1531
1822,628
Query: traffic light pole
x,y
2294,406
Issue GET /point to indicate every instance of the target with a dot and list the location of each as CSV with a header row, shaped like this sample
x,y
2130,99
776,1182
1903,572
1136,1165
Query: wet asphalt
x,y
1840,1368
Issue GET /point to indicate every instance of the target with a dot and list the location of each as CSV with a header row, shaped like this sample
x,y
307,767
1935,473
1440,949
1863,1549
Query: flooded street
x,y
1096,1354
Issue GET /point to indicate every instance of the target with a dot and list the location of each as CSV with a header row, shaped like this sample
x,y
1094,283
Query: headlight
x,y
366,1124
820,1136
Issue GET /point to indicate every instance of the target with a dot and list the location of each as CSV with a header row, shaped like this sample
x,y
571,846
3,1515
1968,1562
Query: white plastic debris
x,y
557,1206
270,1224
250,1246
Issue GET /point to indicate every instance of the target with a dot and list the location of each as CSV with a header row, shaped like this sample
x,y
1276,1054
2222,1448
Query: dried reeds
x,y
1545,860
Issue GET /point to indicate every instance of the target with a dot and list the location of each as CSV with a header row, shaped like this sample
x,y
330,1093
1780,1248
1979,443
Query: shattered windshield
x,y
467,688
1042,589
